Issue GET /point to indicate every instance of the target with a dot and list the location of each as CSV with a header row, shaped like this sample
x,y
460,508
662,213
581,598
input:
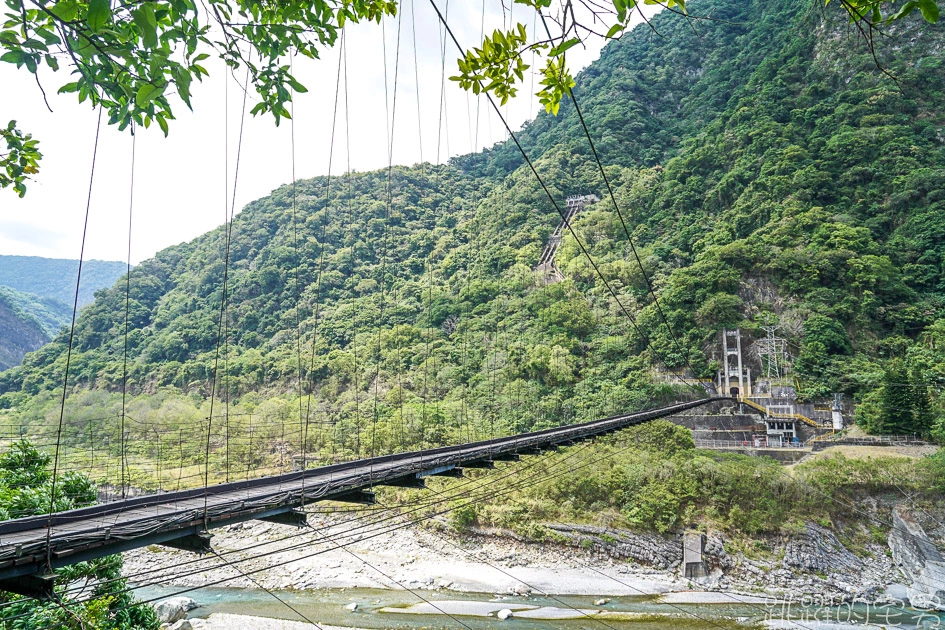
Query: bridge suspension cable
x,y
75,310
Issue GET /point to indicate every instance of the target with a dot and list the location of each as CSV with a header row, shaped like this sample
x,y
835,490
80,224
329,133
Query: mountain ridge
x,y
789,183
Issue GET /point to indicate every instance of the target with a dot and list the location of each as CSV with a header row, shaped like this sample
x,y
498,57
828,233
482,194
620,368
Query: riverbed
x,y
375,609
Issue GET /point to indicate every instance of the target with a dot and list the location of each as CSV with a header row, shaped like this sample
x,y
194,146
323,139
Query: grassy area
x,y
651,478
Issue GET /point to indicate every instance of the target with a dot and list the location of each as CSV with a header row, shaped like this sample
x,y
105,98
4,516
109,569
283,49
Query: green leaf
x,y
66,10
298,87
35,44
906,9
14,56
616,28
145,20
563,46
100,11
147,92
929,9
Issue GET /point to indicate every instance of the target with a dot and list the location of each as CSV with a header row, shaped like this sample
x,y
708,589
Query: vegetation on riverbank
x,y
652,478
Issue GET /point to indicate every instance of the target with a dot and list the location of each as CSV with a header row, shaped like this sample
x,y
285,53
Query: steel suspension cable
x,y
548,193
321,264
223,300
486,486
124,362
391,119
259,585
75,310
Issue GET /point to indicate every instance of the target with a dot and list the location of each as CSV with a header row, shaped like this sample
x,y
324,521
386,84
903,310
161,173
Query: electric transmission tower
x,y
773,351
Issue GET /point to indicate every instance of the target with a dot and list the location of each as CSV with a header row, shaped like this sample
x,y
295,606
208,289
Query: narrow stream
x,y
383,609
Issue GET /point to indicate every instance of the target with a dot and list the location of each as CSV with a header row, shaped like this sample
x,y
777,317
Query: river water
x,y
383,609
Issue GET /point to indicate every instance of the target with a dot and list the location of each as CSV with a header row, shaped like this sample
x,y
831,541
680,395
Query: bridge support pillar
x,y
693,548
198,542
37,585
292,517
362,497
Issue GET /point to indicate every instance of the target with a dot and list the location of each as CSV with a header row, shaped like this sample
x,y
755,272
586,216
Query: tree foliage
x,y
26,490
135,60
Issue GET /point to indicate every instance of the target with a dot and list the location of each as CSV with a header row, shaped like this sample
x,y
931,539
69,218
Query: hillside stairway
x,y
780,415
546,264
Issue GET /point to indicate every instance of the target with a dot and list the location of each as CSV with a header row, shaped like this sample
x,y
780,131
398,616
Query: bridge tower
x,y
734,373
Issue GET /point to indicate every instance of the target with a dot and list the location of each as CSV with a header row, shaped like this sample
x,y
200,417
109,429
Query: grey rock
x,y
174,609
818,550
919,560
646,548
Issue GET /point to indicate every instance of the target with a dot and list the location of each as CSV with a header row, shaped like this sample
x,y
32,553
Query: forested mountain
x,y
768,170
36,296
26,323
54,278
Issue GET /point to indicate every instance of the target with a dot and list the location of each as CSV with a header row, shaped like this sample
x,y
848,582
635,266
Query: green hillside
x,y
768,171
49,314
26,323
54,278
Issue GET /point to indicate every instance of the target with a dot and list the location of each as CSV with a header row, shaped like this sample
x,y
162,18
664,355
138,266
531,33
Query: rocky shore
x,y
812,565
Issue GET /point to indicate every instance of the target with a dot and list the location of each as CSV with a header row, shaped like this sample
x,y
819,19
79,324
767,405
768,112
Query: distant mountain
x,y
27,322
36,297
55,277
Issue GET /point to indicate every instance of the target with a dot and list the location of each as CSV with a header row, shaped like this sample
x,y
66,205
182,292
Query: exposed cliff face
x,y
19,334
919,560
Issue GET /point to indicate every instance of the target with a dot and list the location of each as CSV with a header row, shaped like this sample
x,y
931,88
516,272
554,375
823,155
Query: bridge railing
x,y
743,444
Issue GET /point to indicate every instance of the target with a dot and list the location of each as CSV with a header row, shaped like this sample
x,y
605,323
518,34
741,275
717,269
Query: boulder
x,y
174,609
504,614
182,624
351,607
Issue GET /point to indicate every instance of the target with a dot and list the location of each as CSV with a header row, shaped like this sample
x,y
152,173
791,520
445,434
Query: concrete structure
x,y
836,414
693,548
781,427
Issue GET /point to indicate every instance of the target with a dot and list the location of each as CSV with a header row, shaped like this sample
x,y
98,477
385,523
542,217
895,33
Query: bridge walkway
x,y
181,519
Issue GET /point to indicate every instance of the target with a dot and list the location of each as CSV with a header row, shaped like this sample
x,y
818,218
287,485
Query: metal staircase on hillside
x,y
546,264
781,415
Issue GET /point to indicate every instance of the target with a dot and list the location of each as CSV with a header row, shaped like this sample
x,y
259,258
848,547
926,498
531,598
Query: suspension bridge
x,y
30,548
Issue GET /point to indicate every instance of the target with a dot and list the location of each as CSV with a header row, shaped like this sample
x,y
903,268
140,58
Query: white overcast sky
x,y
179,181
